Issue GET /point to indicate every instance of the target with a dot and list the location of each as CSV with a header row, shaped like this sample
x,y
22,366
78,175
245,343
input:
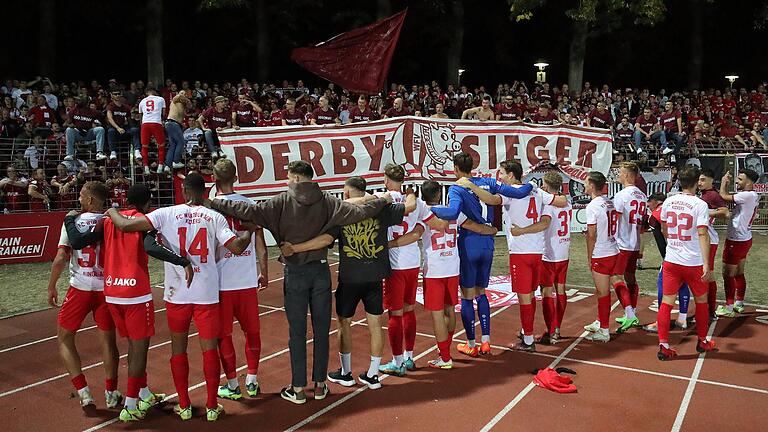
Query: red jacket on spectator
x,y
36,204
120,113
600,120
83,118
548,119
404,111
42,116
669,121
295,118
324,117
215,119
355,115
509,113
245,115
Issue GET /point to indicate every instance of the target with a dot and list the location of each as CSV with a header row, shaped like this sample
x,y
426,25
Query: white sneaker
x,y
667,150
100,156
672,159
113,398
639,151
178,165
86,399
146,170
438,363
220,153
69,157
113,155
593,326
137,154
598,336
167,169
160,168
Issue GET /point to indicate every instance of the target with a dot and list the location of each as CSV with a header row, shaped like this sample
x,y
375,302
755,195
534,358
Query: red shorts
x,y
553,273
241,304
712,253
735,251
525,270
674,275
441,292
78,303
150,130
626,262
206,318
400,288
134,321
604,265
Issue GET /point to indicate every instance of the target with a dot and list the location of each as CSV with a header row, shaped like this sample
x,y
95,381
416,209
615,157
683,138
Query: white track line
x,y
201,384
691,384
357,392
524,392
272,309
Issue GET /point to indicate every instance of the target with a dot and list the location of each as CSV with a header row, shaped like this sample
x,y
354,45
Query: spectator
x,y
672,125
245,113
509,111
291,115
64,185
151,109
42,117
624,130
600,118
14,190
192,136
397,109
119,126
648,129
361,112
544,116
173,128
214,120
118,188
39,192
439,113
324,114
82,125
483,112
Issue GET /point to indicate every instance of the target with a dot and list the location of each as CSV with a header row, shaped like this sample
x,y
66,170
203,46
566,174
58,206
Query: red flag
x,y
357,60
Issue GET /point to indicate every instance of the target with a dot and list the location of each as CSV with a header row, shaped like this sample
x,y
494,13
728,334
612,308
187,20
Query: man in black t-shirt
x,y
364,263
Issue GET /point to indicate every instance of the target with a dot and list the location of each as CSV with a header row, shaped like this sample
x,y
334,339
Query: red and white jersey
x,y
405,257
524,212
237,272
631,203
86,271
684,214
126,275
441,255
714,201
194,232
602,214
740,228
152,109
557,236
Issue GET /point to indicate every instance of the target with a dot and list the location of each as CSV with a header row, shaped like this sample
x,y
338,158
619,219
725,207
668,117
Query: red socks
x,y
110,384
444,348
702,320
396,334
409,329
741,287
712,297
211,371
134,385
604,310
527,312
252,352
663,318
550,315
228,357
634,293
562,303
79,382
730,289
180,373
622,293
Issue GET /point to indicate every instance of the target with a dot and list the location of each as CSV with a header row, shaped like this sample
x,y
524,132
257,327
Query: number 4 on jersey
x,y
198,247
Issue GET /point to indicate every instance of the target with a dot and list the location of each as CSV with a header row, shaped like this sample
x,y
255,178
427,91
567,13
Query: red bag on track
x,y
549,379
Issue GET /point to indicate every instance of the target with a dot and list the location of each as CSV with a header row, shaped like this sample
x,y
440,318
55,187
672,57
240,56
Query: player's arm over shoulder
x,y
78,240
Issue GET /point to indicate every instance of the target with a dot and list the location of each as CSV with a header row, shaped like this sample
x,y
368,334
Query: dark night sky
x,y
104,39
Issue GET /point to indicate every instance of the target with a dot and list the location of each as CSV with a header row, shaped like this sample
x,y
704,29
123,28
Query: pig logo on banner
x,y
429,150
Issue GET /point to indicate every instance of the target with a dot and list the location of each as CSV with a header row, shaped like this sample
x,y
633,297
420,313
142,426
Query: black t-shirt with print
x,y
363,248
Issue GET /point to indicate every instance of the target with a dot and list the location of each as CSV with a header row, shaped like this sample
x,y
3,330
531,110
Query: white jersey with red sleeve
x,y
557,236
194,232
631,204
441,255
740,228
409,256
684,214
524,212
237,272
151,108
86,271
602,215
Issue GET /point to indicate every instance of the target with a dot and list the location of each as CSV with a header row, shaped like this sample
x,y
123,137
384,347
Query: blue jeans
x,y
676,138
76,135
176,142
655,136
132,133
211,140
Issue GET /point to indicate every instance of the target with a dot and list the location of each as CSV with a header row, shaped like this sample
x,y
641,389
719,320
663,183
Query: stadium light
x,y
458,82
731,79
541,74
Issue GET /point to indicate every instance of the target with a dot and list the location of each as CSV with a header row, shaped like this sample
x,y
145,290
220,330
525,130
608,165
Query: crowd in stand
x,y
56,136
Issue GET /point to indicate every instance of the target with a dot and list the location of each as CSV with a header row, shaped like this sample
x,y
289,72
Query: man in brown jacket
x,y
295,216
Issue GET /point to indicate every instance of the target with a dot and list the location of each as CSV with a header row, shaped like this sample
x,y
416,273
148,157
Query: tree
x,y
591,18
154,35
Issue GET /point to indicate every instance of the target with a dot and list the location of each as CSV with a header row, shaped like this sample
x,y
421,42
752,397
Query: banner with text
x,y
29,237
423,146
758,163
